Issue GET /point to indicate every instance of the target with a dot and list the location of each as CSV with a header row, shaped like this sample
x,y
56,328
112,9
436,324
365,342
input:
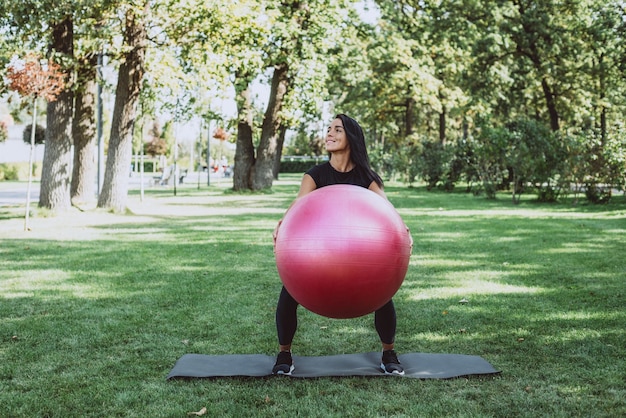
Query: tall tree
x,y
34,81
114,193
221,43
56,173
602,26
244,151
434,37
530,48
55,25
283,40
82,188
302,36
297,14
34,25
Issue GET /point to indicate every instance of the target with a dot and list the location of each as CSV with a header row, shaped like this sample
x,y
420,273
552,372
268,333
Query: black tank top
x,y
325,175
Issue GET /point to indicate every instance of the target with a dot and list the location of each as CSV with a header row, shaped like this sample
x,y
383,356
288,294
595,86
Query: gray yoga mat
x,y
416,365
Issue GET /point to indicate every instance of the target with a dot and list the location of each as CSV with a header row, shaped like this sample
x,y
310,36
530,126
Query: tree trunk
x,y
602,94
551,104
244,151
263,172
82,188
532,52
442,125
279,150
55,175
114,192
409,116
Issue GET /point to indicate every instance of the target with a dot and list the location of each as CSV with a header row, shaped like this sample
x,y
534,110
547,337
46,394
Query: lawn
x,y
95,309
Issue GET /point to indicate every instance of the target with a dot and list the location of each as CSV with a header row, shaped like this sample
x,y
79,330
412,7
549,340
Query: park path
x,y
87,223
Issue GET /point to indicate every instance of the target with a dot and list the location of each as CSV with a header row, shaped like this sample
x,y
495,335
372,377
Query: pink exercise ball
x,y
342,251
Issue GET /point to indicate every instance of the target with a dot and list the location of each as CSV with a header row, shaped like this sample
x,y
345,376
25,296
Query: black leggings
x,y
287,320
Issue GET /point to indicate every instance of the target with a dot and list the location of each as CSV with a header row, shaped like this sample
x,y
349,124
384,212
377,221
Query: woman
x,y
348,164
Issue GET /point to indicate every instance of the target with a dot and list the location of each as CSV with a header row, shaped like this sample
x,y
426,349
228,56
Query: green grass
x,y
95,309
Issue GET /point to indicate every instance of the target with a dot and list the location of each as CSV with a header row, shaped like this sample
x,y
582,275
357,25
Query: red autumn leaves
x,y
31,78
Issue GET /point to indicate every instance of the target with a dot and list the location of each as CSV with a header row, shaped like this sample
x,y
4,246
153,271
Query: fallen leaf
x,y
444,313
520,339
199,413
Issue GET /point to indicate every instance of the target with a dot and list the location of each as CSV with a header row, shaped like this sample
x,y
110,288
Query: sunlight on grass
x,y
579,334
576,247
446,263
51,283
583,315
424,261
438,237
350,328
462,286
58,284
504,213
429,336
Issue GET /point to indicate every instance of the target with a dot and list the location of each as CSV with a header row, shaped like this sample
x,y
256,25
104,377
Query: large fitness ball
x,y
342,251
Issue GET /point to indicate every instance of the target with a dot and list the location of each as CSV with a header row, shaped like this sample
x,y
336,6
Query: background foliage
x,y
517,95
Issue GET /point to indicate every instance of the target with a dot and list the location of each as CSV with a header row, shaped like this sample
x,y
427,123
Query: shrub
x,y
4,131
433,164
534,156
391,161
9,172
601,163
17,171
299,164
486,158
40,134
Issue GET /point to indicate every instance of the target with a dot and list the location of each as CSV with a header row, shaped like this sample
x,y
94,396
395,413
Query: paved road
x,y
17,196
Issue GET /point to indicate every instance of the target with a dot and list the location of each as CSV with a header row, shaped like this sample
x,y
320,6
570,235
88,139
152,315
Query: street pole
x,y
33,128
99,127
208,154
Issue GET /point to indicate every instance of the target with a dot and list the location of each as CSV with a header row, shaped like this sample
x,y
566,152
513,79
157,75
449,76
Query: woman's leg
x,y
385,323
286,319
286,324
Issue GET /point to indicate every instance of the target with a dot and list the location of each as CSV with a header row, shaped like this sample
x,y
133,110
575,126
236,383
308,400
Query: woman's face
x,y
336,139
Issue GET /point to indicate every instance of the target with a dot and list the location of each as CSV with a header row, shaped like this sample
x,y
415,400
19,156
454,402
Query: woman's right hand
x,y
275,233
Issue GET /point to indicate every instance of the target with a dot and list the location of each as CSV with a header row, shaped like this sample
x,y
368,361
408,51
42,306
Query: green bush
x,y
598,163
433,164
40,134
4,131
299,164
485,158
17,171
534,155
8,172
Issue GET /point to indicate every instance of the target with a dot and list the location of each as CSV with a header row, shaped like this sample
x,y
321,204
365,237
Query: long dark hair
x,y
358,150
